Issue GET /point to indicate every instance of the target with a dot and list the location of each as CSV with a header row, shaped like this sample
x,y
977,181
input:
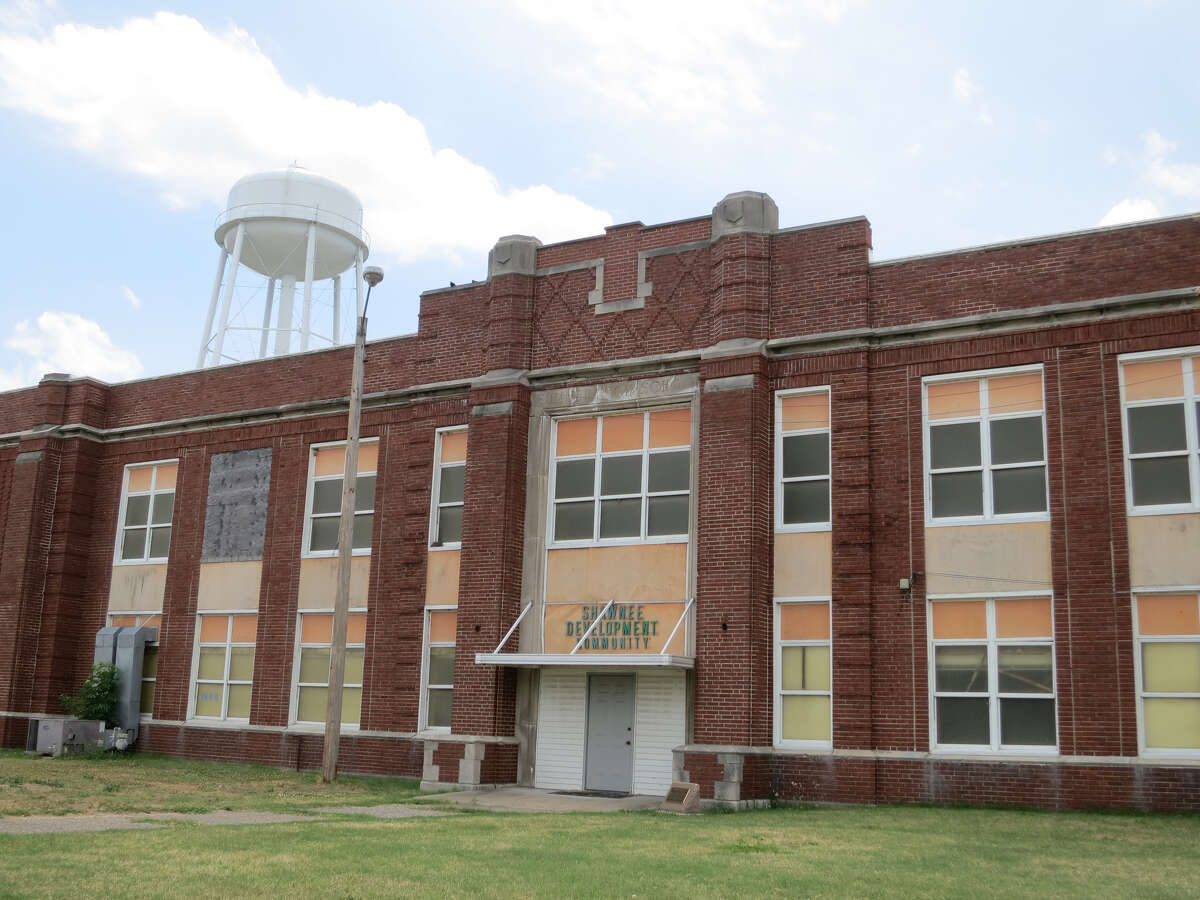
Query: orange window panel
x,y
622,433
960,619
124,621
1196,374
330,461
804,622
1023,617
245,629
804,411
454,446
356,628
671,428
443,624
153,621
165,480
368,457
576,436
214,629
953,399
139,479
1168,614
1015,393
316,629
1153,379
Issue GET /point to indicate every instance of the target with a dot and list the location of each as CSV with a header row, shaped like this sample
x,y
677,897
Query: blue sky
x,y
123,125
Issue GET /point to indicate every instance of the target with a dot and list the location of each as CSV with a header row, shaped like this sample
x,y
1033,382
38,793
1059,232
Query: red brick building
x,y
768,516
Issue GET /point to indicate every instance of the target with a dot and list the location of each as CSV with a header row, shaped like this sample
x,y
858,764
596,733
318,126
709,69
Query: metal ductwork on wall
x,y
125,647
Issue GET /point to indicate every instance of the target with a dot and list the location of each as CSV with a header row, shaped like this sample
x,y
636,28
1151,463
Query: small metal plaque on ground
x,y
683,797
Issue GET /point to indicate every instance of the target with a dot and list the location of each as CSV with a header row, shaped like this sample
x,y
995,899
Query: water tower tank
x,y
290,227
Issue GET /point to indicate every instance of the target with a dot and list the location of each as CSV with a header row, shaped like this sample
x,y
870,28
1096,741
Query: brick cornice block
x,y
745,212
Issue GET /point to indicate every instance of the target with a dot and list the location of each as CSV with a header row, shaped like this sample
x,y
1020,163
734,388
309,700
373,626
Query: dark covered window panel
x,y
1017,440
1161,480
954,446
1019,490
805,502
805,455
1157,429
957,494
574,478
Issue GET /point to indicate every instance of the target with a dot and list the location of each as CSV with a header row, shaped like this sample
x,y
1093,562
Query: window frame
x,y
1190,399
435,503
777,690
1189,753
310,492
984,419
119,542
782,527
994,695
597,497
423,713
297,646
229,644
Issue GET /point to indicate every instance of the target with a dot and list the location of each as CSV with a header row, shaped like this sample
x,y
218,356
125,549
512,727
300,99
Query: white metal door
x,y
610,733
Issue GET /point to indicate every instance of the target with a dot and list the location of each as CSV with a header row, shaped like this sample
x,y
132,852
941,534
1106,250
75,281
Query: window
x,y
802,460
1162,419
1168,672
992,674
150,653
325,498
622,478
147,506
449,480
438,668
312,667
985,448
803,694
224,667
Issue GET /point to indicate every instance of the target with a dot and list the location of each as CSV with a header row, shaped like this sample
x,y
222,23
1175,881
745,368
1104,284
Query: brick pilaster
x,y
489,592
734,552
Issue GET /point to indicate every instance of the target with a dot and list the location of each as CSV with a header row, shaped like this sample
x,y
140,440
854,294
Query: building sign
x,y
622,628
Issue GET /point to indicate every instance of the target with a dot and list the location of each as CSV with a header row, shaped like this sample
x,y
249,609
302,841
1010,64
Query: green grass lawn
x,y
849,851
143,782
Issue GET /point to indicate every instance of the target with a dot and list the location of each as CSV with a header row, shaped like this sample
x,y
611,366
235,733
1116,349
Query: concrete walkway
x,y
506,799
141,821
536,800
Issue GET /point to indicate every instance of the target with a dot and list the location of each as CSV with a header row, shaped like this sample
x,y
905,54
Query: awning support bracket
x,y
512,628
682,618
592,627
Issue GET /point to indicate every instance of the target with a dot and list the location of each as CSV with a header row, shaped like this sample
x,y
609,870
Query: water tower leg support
x,y
337,310
212,307
283,327
309,264
266,325
228,296
358,284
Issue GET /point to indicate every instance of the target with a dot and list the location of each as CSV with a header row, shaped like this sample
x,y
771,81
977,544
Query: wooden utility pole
x,y
341,606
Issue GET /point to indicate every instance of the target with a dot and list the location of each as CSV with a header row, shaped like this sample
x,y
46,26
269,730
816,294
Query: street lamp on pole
x,y
372,275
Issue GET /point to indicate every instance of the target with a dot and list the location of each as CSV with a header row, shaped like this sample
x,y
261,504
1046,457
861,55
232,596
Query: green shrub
x,y
97,698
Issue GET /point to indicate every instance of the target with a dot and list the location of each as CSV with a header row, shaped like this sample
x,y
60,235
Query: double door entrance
x,y
609,754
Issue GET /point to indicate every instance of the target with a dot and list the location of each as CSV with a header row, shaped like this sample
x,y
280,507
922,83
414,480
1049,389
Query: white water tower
x,y
289,228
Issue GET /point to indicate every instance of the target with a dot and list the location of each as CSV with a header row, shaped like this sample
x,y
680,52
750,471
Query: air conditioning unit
x,y
58,736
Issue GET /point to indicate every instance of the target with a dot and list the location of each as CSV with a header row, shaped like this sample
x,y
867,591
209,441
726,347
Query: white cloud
x,y
964,86
680,61
967,91
134,300
65,342
26,15
1131,209
1180,179
192,111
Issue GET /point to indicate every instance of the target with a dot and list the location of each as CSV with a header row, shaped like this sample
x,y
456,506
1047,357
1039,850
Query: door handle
x,y
628,743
